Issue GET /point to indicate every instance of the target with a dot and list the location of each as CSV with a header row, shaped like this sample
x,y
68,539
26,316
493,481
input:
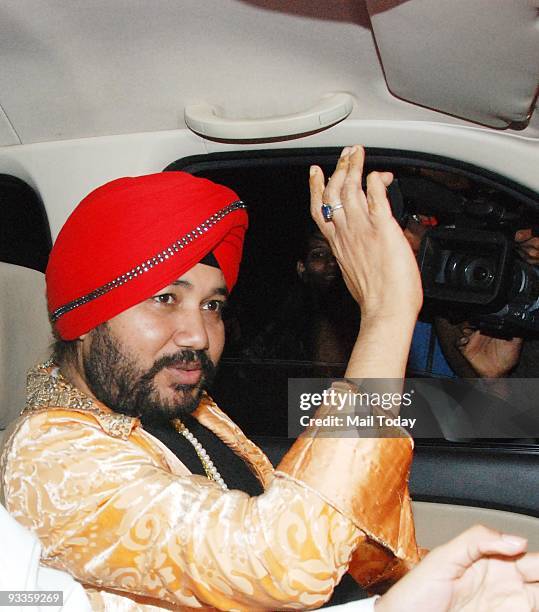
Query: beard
x,y
117,381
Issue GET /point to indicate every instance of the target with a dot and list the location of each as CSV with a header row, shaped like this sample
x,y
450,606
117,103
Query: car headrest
x,y
25,334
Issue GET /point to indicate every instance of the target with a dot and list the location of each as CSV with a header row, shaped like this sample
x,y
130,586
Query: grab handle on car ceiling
x,y
332,108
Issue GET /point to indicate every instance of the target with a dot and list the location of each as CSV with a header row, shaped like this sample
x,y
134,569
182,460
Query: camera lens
x,y
479,273
470,272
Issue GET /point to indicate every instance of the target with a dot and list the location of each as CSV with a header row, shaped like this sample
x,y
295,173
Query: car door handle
x,y
207,121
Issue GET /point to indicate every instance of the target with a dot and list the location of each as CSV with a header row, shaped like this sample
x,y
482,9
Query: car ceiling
x,y
73,69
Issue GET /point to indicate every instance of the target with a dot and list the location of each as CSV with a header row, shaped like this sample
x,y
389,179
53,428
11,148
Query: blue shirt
x,y
426,355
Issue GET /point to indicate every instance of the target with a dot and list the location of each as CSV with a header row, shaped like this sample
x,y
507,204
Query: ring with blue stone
x,y
329,209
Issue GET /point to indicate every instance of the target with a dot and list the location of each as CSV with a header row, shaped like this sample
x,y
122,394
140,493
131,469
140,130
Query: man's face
x,y
154,359
319,268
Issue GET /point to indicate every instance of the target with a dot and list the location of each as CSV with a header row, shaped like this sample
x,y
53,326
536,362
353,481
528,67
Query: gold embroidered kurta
x,y
121,513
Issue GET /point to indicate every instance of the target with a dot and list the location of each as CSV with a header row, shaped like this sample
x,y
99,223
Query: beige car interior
x,y
126,69
438,523
462,84
25,335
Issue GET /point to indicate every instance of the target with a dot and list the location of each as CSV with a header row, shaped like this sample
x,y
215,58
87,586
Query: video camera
x,y
470,263
475,266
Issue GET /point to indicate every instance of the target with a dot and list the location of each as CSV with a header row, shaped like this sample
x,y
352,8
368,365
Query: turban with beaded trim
x,y
133,237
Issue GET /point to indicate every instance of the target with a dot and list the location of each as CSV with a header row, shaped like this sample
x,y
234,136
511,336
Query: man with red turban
x,y
136,284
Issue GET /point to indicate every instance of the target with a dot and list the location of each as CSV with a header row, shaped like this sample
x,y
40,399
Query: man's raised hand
x,y
376,260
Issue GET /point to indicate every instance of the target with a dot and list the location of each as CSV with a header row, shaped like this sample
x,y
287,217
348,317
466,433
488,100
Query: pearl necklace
x,y
207,463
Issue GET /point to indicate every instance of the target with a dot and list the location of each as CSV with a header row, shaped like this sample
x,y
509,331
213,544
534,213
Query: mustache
x,y
183,357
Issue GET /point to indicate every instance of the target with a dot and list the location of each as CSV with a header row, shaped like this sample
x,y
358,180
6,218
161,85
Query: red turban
x,y
132,237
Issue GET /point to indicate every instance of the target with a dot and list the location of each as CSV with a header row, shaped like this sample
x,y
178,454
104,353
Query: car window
x,y
291,315
25,237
